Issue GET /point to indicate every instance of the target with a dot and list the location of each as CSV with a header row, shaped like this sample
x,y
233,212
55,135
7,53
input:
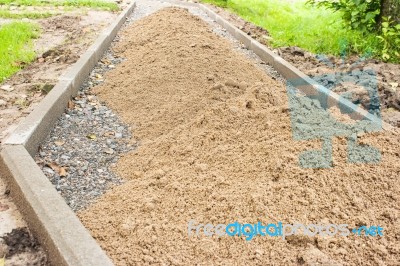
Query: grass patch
x,y
98,4
16,47
220,3
296,24
21,15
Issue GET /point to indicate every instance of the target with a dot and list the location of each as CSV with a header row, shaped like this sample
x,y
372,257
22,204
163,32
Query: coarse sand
x,y
216,147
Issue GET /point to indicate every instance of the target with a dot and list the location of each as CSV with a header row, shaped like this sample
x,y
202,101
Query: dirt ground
x,y
62,40
387,74
216,146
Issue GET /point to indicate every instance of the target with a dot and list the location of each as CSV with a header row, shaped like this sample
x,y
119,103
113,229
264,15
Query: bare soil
x,y
64,38
19,247
216,146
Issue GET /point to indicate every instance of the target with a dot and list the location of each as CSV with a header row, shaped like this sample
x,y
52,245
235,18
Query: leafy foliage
x,y
390,39
358,14
365,17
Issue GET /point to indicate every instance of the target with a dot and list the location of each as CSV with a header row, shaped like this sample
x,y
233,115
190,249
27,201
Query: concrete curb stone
x,y
57,228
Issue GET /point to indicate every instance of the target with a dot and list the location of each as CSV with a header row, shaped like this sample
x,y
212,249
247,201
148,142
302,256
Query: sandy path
x,y
217,147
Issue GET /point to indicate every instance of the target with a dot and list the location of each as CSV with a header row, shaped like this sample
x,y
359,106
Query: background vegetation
x,y
379,17
16,48
329,27
99,4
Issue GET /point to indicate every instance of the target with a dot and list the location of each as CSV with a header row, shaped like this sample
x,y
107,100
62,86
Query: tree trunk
x,y
390,8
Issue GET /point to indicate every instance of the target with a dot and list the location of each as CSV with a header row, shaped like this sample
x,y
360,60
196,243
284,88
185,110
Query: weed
x,y
29,15
16,47
98,4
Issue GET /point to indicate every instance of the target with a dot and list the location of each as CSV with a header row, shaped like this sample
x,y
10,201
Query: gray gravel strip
x,y
89,138
86,141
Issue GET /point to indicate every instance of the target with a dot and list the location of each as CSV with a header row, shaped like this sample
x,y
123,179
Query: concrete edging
x,y
58,229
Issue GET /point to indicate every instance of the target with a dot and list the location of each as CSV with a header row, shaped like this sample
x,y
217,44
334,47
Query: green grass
x,y
98,4
31,15
296,24
16,48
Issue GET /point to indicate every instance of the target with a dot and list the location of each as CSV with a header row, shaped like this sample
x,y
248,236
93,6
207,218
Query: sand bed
x,y
216,146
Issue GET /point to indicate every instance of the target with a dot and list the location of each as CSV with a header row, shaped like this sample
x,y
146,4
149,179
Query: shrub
x,y
367,16
390,40
359,15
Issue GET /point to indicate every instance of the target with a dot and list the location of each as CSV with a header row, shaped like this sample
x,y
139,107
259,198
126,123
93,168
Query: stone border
x,y
56,226
58,229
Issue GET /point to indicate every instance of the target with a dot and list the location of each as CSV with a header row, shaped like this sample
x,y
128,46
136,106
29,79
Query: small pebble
x,y
7,88
83,131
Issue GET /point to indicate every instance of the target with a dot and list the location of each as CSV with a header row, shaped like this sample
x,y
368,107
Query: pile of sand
x,y
217,147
